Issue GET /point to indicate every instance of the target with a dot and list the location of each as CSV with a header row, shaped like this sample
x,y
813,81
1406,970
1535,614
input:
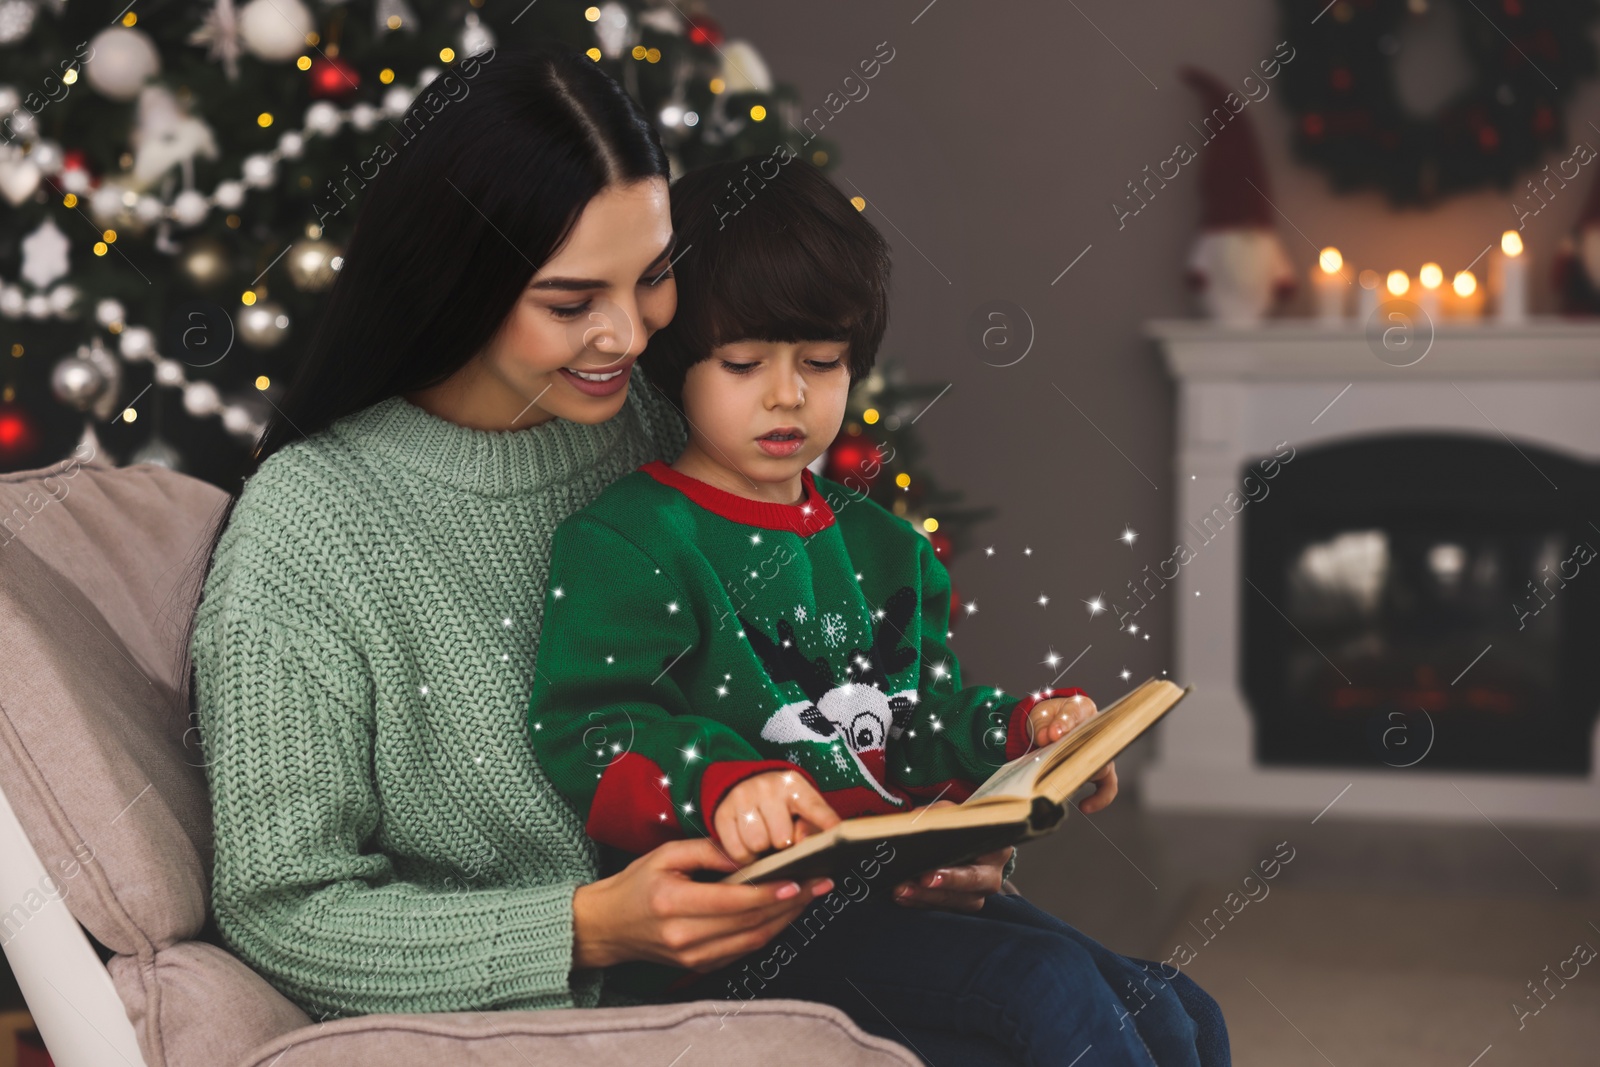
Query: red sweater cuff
x,y
1019,739
717,779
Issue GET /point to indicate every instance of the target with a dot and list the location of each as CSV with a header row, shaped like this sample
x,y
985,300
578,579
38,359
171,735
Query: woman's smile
x,y
600,382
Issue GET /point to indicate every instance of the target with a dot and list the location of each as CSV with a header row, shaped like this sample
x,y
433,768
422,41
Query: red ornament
x,y
1341,78
333,77
1312,125
955,605
1488,138
854,457
704,31
941,546
17,437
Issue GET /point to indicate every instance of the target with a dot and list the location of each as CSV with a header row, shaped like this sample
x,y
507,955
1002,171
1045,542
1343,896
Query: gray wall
x,y
990,149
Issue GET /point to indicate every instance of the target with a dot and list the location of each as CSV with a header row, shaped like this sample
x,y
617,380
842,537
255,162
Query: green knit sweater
x,y
364,651
696,638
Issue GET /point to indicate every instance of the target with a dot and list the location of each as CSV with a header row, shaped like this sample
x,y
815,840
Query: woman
x,y
365,641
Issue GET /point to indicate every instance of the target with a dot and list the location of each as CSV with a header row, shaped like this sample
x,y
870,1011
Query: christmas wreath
x,y
1525,56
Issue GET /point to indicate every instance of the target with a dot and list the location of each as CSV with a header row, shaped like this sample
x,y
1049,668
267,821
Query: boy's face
x,y
766,409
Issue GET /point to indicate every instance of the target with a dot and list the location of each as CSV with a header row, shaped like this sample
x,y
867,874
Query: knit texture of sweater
x,y
698,638
364,650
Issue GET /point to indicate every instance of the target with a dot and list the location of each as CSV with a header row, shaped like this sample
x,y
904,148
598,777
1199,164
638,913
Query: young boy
x,y
732,646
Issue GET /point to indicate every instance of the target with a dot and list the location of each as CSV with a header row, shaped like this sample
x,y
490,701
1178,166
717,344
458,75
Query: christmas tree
x,y
174,208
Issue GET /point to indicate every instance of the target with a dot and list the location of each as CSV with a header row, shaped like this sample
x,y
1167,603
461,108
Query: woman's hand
x,y
1050,720
960,888
653,910
767,811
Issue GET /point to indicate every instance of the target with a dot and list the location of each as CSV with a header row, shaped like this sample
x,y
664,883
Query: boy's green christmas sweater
x,y
693,638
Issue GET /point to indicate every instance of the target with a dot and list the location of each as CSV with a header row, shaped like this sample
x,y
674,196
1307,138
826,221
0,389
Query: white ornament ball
x,y
201,399
292,144
105,206
77,382
137,343
148,209
427,75
274,29
364,117
21,123
324,118
397,101
237,419
62,297
121,60
108,312
190,208
13,302
263,325
310,264
169,373
10,99
47,156
38,306
16,19
258,171
229,195
75,181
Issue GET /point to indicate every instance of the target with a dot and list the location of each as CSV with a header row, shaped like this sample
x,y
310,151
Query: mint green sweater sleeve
x,y
296,894
364,651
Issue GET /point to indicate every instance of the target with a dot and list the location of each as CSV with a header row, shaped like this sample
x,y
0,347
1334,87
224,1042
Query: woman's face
x,y
568,345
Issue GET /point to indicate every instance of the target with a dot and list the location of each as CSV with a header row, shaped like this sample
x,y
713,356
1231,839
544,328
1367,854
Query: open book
x,y
1022,800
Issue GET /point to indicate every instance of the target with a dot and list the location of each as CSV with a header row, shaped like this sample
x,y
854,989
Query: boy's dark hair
x,y
771,250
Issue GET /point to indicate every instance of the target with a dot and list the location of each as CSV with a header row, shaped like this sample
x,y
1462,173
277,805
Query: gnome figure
x,y
1577,261
1238,265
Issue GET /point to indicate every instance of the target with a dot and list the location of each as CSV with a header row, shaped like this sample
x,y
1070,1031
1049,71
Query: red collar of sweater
x,y
809,516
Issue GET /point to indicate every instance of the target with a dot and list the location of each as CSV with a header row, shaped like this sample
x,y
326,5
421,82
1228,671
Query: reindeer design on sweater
x,y
860,712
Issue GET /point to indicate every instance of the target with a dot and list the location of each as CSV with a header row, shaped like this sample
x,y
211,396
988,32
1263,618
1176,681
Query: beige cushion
x,y
92,732
97,585
696,1034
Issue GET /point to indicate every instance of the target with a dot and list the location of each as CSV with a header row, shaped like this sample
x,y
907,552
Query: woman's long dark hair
x,y
460,216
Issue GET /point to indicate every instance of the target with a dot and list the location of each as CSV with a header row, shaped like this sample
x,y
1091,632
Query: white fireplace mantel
x,y
1245,392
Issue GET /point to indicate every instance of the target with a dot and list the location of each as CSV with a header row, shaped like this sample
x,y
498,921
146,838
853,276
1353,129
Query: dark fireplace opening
x,y
1427,601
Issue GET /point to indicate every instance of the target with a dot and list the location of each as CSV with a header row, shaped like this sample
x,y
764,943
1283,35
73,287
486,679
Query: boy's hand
x,y
1050,720
771,810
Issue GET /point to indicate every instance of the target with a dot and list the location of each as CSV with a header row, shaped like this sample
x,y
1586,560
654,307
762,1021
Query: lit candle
x,y
1398,283
1369,295
1468,303
1431,276
1330,287
1513,303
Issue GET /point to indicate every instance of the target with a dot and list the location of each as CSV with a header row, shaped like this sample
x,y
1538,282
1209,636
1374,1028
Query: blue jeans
x,y
1009,985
